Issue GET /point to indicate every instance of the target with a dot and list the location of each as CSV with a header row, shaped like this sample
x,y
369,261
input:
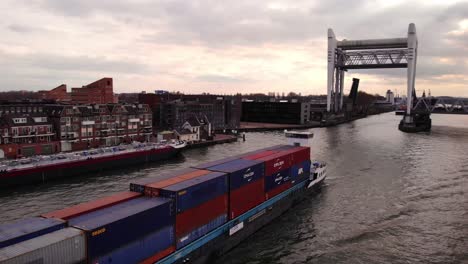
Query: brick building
x,y
98,92
58,94
26,134
84,126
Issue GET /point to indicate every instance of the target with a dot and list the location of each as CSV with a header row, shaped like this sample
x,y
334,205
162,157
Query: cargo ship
x,y
191,215
40,169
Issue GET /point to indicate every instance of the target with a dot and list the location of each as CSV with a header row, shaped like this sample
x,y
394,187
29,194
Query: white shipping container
x,y
63,246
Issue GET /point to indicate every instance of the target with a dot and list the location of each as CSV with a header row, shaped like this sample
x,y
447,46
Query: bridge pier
x,y
415,122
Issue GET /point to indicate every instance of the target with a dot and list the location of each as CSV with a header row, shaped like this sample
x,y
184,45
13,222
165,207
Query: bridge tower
x,y
347,55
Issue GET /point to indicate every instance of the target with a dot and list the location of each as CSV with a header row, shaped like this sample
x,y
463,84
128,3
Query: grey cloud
x,y
215,78
44,70
21,28
84,63
226,25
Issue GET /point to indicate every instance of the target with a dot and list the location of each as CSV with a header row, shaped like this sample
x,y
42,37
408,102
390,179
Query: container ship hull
x,y
220,241
40,174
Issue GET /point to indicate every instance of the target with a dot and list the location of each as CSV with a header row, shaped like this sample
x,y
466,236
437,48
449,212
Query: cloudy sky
x,y
222,46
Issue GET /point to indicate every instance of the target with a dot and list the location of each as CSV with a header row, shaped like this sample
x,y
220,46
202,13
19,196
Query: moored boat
x,y
41,169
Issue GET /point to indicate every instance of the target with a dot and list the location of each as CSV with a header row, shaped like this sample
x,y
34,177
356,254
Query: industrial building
x,y
171,111
276,112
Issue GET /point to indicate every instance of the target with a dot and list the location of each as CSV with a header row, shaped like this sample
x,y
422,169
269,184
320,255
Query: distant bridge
x,y
441,105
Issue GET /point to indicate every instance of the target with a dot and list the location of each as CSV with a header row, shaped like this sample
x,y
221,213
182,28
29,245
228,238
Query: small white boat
x,y
318,169
318,173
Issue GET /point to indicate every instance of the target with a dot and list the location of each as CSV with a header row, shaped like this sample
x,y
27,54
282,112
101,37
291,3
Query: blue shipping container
x,y
300,172
200,231
206,165
277,179
139,185
27,228
140,249
191,193
241,172
112,227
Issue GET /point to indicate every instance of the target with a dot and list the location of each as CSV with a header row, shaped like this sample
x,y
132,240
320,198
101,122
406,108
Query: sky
x,y
223,47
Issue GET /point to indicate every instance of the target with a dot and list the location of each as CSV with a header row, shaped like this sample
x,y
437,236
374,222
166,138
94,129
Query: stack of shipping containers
x,y
284,167
246,184
201,204
128,232
159,215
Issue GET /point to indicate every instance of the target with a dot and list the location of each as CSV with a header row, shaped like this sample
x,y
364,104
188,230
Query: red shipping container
x,y
200,215
260,155
278,190
152,189
298,154
246,197
91,206
276,162
158,256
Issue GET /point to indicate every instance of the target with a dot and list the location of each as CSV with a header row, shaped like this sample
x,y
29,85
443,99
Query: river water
x,y
390,197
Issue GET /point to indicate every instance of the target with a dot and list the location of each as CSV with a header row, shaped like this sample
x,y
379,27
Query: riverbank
x,y
257,127
218,139
333,121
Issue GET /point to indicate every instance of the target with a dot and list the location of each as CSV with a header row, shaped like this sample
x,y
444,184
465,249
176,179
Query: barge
x,y
41,169
192,215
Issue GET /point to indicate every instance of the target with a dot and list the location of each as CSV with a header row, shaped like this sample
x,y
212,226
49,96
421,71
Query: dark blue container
x,y
191,193
118,225
241,172
206,165
277,179
139,185
200,231
140,249
27,228
300,172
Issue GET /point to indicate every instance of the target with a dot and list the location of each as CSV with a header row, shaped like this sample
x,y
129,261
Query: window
x,y
19,120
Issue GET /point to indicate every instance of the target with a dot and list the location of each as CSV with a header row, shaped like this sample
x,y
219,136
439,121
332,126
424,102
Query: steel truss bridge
x,y
346,55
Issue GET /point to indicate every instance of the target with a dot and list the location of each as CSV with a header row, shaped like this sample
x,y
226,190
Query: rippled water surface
x,y
390,197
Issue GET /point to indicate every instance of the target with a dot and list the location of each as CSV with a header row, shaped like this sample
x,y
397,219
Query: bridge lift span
x,y
347,55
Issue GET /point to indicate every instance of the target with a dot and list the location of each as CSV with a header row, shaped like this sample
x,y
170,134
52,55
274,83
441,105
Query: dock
x,y
218,139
